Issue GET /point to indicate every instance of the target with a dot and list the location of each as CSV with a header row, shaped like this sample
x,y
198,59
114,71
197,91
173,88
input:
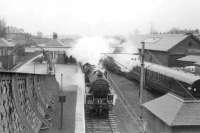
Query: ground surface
x,y
129,90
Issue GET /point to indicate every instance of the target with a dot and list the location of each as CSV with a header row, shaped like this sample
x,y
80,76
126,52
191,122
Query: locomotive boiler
x,y
98,94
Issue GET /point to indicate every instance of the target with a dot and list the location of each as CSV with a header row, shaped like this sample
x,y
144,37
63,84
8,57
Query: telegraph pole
x,y
142,84
141,74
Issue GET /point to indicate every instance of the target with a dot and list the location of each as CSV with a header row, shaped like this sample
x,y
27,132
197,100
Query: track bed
x,y
102,124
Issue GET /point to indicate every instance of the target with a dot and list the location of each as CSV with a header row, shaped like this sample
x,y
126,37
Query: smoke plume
x,y
90,49
126,58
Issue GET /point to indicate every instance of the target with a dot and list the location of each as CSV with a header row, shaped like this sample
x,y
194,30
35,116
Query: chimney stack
x,y
55,36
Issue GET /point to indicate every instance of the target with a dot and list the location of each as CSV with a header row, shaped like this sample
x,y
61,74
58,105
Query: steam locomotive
x,y
164,79
99,95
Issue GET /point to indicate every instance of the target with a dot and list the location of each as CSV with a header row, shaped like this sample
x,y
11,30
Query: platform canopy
x,y
175,111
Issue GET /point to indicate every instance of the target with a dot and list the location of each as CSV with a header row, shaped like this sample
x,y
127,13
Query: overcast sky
x,y
99,17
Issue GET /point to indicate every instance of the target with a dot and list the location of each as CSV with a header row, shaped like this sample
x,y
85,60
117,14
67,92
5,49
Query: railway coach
x,y
164,79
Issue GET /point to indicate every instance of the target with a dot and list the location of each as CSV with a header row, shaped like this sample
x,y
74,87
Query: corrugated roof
x,y
190,58
175,111
5,43
158,42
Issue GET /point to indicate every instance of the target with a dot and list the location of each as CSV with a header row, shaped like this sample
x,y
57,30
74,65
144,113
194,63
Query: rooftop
x,y
158,42
175,111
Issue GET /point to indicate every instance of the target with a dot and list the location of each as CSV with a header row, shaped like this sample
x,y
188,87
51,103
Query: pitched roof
x,y
190,58
175,111
5,43
158,42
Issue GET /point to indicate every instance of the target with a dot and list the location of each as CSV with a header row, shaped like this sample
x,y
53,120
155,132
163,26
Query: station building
x,y
55,47
172,114
165,49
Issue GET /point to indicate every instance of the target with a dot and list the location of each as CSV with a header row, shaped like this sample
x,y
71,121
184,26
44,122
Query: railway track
x,y
132,113
102,125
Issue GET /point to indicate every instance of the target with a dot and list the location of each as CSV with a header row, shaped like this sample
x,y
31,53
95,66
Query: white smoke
x,y
90,49
127,59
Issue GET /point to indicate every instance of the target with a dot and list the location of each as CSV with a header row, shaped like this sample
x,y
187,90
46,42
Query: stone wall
x,y
27,102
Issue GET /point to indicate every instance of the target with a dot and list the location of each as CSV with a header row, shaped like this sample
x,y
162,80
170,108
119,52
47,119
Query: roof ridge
x,y
182,102
173,121
176,97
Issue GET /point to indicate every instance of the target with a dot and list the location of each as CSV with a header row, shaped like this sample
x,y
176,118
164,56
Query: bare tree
x,y
2,28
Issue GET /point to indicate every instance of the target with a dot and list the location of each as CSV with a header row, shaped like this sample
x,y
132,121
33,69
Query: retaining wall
x,y
27,102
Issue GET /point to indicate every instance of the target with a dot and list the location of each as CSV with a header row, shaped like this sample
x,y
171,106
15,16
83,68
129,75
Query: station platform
x,y
69,114
72,85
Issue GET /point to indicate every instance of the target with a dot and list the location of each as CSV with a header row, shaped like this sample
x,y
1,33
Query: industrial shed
x,y
165,49
171,114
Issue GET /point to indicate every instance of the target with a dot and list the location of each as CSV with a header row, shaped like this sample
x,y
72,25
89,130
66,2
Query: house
x,y
172,114
165,49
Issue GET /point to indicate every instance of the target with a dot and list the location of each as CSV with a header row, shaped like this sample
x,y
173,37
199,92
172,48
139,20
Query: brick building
x,y
171,114
165,49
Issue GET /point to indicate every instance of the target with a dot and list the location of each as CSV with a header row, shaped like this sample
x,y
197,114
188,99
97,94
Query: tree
x,y
183,31
2,28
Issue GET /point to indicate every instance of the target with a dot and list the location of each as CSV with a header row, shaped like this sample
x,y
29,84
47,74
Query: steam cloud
x,y
126,60
90,49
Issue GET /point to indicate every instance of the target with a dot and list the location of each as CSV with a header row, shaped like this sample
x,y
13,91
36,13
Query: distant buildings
x,y
165,49
55,47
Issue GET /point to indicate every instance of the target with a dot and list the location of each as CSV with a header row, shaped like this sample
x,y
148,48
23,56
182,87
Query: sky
x,y
100,17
